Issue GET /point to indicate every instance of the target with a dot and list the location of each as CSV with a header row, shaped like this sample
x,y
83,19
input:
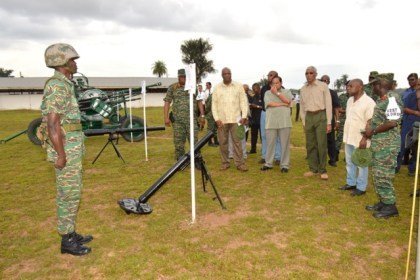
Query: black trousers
x,y
331,144
254,136
297,111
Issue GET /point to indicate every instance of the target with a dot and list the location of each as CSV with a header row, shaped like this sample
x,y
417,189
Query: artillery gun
x,y
101,110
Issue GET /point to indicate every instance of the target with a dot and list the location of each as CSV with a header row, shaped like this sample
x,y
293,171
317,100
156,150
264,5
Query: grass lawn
x,y
276,226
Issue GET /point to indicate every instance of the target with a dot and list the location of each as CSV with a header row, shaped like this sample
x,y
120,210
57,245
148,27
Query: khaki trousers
x,y
223,135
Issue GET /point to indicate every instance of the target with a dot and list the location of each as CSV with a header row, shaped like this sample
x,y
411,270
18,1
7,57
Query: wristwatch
x,y
337,121
202,116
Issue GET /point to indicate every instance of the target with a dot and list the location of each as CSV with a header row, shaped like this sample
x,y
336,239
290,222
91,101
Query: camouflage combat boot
x,y
70,245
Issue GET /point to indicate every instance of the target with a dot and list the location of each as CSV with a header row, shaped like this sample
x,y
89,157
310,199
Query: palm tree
x,y
195,51
159,68
338,84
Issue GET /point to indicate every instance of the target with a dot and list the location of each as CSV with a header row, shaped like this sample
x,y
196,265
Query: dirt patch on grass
x,y
16,270
390,248
93,171
213,220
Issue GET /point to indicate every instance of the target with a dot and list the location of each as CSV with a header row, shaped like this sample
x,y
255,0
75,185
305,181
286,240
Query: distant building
x,y
35,85
26,93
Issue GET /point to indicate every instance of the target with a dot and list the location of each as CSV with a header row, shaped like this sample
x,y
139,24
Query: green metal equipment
x,y
101,110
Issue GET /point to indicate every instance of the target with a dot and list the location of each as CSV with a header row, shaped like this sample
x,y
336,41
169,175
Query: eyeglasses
x,y
309,73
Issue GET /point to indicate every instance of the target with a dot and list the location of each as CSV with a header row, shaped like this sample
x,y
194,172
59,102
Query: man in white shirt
x,y
230,107
359,111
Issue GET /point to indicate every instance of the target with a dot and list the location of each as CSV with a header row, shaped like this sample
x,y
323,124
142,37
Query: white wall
x,y
33,101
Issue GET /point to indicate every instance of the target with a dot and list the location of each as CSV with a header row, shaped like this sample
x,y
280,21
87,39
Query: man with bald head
x,y
230,107
316,114
359,111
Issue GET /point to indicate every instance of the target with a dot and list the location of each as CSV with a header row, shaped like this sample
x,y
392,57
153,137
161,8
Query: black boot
x,y
83,239
387,210
69,245
336,155
375,207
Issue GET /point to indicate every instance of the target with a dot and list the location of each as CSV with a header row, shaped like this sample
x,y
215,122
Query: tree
x,y
195,51
340,83
159,68
5,72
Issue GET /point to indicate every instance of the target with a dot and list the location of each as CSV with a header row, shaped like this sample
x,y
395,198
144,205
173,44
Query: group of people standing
x,y
365,117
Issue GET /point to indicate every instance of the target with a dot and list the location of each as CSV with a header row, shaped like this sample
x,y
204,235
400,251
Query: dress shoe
x,y
262,161
284,170
265,168
324,176
387,210
70,245
347,188
277,162
332,163
242,168
357,192
83,239
252,152
224,167
375,207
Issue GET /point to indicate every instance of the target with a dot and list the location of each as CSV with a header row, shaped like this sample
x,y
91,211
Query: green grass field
x,y
276,226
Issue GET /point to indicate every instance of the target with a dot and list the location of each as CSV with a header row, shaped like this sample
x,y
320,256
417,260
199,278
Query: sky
x,y
124,38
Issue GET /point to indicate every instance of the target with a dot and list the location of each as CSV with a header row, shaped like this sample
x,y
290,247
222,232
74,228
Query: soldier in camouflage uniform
x,y
342,99
368,87
385,135
180,118
61,132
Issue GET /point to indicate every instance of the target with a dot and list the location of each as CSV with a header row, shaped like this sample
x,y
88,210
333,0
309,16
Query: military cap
x,y
383,76
373,74
362,157
181,72
240,132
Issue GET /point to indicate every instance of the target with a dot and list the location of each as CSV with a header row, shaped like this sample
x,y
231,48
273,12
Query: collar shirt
x,y
357,114
229,102
315,97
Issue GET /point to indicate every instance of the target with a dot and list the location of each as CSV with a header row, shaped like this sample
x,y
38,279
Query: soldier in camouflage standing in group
x,y
61,133
368,87
180,115
211,123
386,139
342,99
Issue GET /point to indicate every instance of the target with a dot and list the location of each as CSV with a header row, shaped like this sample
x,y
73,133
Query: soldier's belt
x,y
68,127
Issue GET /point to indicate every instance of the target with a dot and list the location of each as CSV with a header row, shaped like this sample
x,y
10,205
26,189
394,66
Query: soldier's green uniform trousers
x,y
316,140
339,135
384,162
69,182
211,125
182,134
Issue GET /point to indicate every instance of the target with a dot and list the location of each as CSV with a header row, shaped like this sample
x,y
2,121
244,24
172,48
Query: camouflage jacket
x,y
368,90
390,138
342,99
180,100
59,97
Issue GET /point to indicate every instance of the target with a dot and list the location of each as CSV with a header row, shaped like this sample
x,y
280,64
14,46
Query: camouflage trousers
x,y
211,125
384,162
69,182
339,135
181,135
